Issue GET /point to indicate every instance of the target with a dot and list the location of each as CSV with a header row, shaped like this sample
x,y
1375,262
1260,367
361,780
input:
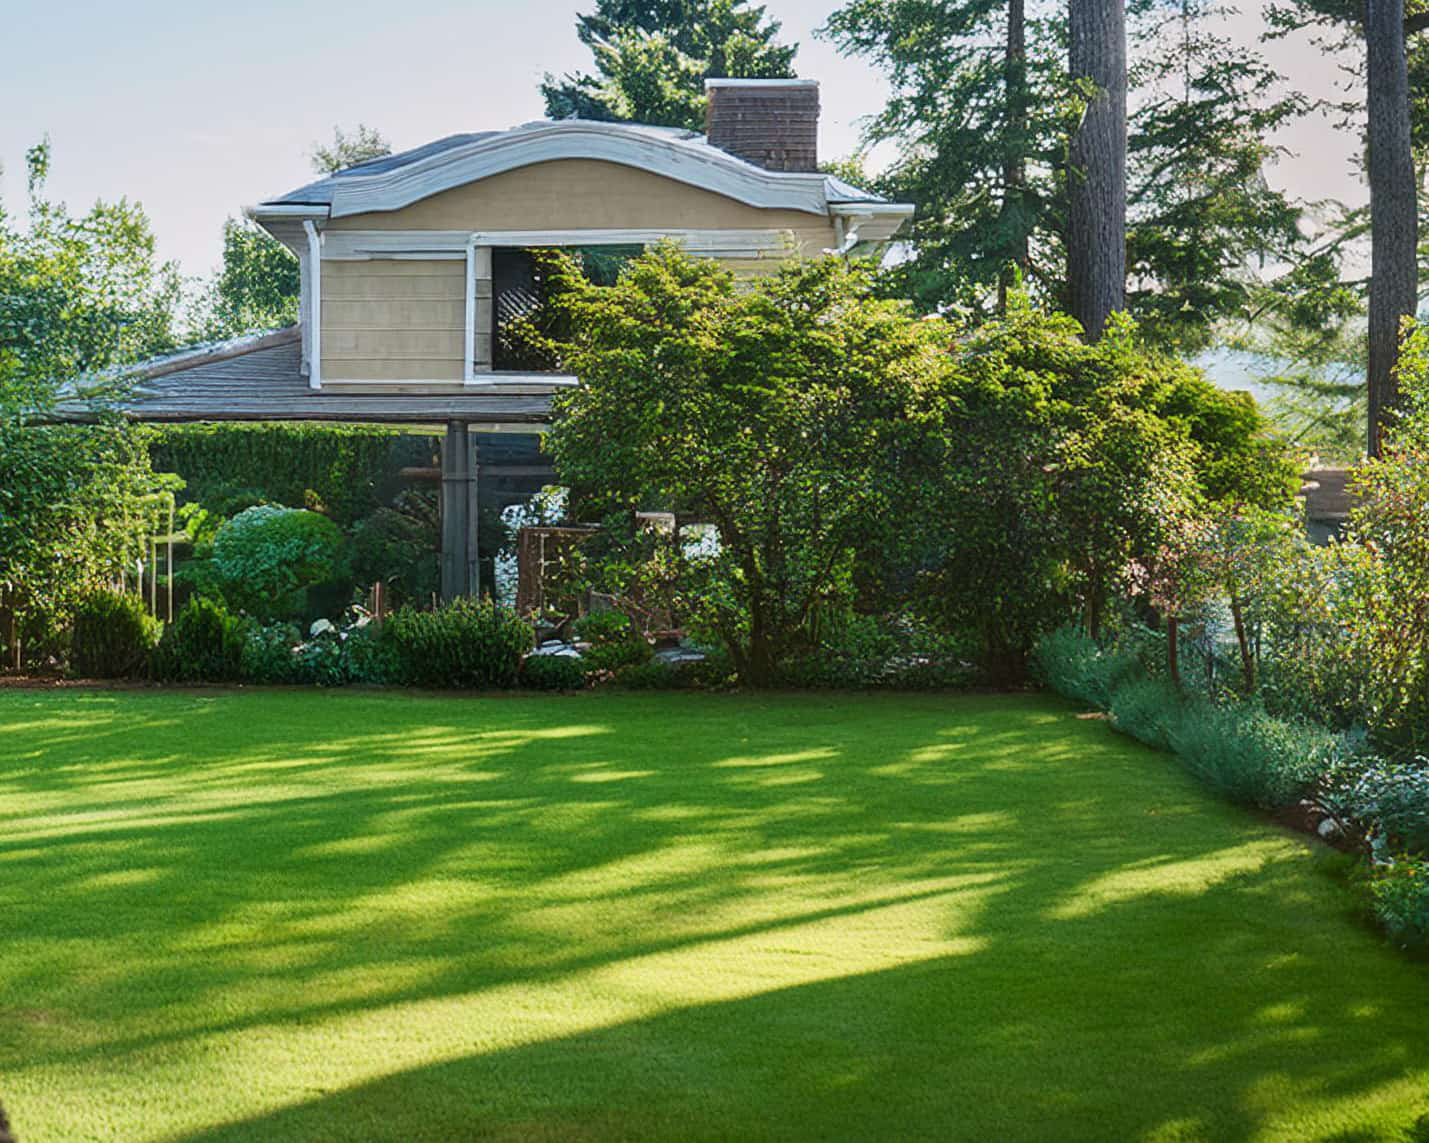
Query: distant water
x,y
1237,370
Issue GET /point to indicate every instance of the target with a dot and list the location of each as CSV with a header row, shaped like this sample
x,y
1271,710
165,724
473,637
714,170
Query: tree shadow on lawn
x,y
632,917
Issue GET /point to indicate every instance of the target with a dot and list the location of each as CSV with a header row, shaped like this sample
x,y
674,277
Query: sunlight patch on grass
x,y
1170,878
745,762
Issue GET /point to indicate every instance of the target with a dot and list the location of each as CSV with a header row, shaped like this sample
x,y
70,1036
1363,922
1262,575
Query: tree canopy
x,y
652,58
78,295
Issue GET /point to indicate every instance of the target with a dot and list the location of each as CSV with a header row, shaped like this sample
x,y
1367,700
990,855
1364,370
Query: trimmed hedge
x,y
340,469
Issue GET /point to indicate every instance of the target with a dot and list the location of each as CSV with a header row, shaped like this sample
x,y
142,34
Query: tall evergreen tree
x,y
1205,227
1096,168
1202,220
978,111
652,58
1394,208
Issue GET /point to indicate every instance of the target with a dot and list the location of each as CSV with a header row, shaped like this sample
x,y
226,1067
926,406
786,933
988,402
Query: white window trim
x,y
468,369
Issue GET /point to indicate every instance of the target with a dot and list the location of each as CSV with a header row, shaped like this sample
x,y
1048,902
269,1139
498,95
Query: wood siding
x,y
588,194
393,319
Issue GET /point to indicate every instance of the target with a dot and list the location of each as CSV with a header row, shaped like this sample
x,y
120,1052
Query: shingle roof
x,y
260,378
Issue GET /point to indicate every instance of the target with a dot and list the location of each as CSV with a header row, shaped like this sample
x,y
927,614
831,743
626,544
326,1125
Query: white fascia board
x,y
696,164
277,211
356,245
497,384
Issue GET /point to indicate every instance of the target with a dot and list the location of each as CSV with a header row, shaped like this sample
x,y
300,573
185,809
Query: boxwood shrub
x,y
553,672
113,636
204,644
467,643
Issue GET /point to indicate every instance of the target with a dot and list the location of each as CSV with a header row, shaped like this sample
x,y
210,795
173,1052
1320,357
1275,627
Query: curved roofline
x,y
682,157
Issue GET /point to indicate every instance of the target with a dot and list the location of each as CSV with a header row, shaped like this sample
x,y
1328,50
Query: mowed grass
x,y
343,916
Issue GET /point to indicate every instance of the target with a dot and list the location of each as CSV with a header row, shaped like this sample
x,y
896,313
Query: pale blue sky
x,y
196,109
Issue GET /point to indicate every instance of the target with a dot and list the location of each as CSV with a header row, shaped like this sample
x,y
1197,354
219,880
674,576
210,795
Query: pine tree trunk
x,y
1242,638
1096,175
1394,213
1014,166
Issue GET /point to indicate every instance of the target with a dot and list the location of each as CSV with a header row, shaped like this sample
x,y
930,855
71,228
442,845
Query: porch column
x,y
458,507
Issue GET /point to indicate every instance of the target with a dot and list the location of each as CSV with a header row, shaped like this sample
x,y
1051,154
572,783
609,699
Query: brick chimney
x,y
772,123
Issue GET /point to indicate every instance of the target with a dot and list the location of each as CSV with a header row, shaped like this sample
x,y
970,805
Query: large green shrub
x,y
467,643
265,556
777,412
113,635
204,644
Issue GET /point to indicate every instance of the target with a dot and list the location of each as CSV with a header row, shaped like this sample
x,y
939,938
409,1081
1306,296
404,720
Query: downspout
x,y
315,311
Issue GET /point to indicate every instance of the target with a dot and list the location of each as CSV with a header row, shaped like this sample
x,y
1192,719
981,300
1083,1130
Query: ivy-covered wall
x,y
344,471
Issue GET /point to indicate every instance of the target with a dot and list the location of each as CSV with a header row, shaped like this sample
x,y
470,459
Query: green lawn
x,y
347,916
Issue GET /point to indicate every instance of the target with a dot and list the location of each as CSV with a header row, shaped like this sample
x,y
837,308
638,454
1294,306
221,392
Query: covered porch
x,y
260,378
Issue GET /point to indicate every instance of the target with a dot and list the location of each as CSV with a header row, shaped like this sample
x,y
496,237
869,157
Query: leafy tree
x,y
776,412
78,295
652,58
1063,471
75,504
256,289
364,144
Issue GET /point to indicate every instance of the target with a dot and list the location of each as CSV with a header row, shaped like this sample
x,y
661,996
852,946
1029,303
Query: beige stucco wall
x,y
588,194
393,320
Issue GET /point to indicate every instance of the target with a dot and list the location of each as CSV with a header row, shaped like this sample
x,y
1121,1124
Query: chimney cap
x,y
731,82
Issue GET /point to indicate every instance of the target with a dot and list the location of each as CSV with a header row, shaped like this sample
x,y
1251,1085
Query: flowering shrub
x,y
1400,892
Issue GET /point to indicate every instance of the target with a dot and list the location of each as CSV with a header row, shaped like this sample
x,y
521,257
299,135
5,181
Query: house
x,y
412,263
